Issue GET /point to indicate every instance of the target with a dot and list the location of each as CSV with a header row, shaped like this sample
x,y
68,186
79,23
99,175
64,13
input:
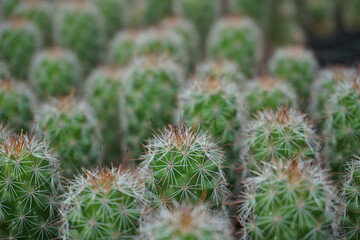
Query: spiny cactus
x,y
268,93
239,40
103,204
16,104
295,65
30,189
19,40
4,71
122,47
289,201
54,72
40,13
150,87
278,136
79,27
351,197
135,13
70,126
186,222
7,7
221,69
103,94
350,16
184,164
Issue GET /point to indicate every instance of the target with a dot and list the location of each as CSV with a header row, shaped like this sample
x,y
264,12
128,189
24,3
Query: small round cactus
x,y
30,188
295,65
183,164
122,47
221,69
103,204
19,40
186,222
239,40
7,7
289,201
54,72
16,104
71,128
79,27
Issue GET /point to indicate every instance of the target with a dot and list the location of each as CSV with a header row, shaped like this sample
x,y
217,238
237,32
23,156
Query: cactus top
x,y
226,69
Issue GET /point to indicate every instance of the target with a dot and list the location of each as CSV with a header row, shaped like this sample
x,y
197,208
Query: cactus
x,y
278,136
16,104
103,204
7,7
351,196
122,47
135,14
295,65
150,87
184,165
289,201
269,93
40,13
30,188
79,27
54,72
4,71
157,10
239,40
186,222
103,94
350,17
19,40
70,126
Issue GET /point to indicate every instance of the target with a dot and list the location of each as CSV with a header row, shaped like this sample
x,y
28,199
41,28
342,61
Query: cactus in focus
x,y
289,201
350,14
150,87
221,69
71,128
103,204
19,40
295,65
278,136
54,72
122,47
79,27
4,71
186,222
103,94
16,104
239,40
30,189
7,7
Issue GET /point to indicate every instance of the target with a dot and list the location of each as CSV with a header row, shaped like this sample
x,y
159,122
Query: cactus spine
x,y
30,188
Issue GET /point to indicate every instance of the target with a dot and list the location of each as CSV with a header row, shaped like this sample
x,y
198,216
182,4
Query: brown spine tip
x,y
282,116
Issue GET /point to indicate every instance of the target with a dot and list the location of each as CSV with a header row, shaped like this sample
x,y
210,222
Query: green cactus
x,y
186,222
71,128
268,93
30,189
239,40
278,136
16,104
351,196
54,72
103,204
79,27
184,165
7,7
350,16
122,47
103,91
289,201
150,87
19,40
40,13
4,71
295,65
135,14
157,10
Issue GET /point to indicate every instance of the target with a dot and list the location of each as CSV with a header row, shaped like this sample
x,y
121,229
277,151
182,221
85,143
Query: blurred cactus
x,y
7,8
289,201
54,72
295,65
350,14
4,71
103,94
103,204
157,10
19,40
186,222
184,165
30,189
135,14
150,87
239,40
221,69
122,47
70,126
79,27
16,104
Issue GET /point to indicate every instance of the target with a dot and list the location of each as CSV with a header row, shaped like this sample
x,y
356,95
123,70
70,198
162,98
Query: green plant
x,y
30,189
7,7
4,71
122,47
221,69
54,72
157,10
239,40
103,204
19,40
350,15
